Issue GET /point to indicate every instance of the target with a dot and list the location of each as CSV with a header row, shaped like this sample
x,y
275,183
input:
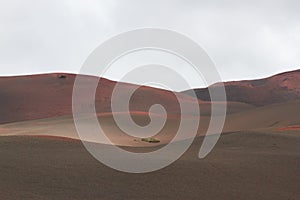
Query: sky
x,y
245,39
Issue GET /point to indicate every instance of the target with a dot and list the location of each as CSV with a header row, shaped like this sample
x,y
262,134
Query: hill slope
x,y
279,88
50,95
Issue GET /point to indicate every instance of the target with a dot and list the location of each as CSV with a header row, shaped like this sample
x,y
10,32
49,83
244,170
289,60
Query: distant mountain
x,y
279,88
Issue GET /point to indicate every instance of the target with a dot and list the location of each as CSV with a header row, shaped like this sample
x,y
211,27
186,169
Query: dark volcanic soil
x,y
243,165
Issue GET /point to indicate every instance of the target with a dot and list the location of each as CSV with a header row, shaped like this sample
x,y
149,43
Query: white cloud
x,y
246,39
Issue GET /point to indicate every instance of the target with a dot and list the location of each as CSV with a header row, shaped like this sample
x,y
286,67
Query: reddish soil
x,y
280,88
289,128
50,137
50,95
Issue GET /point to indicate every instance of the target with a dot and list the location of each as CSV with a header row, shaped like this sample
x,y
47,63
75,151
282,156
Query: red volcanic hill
x,y
279,88
49,95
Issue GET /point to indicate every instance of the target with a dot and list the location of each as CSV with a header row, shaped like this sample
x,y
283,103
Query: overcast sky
x,y
245,39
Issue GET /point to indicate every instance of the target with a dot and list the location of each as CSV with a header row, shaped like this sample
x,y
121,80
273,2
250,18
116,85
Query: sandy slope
x,y
270,117
64,127
267,117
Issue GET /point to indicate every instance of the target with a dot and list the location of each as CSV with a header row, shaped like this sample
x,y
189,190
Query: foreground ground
x,y
243,165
